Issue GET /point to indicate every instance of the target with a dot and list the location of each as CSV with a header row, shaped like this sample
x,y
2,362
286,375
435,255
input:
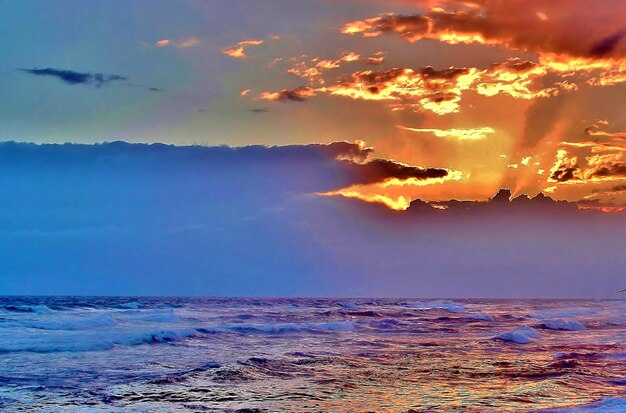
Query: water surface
x,y
70,354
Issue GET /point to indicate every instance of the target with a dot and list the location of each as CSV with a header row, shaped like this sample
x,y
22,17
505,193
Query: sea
x,y
252,355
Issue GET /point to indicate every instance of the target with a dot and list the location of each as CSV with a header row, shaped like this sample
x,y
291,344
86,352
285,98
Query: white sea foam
x,y
522,335
131,306
156,316
89,340
283,327
609,405
66,323
451,306
37,309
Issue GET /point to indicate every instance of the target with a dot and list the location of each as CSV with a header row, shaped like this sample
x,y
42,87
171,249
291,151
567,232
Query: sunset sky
x,y
430,100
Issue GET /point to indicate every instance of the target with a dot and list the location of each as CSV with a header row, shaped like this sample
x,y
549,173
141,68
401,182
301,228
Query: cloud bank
x,y
120,218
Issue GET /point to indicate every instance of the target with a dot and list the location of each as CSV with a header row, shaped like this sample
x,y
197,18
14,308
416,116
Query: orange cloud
x,y
462,134
385,192
424,89
400,203
527,25
440,91
566,51
376,59
312,68
192,41
605,167
295,95
237,50
188,43
597,51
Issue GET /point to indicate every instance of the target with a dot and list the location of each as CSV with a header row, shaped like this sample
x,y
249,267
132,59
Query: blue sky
x,y
118,37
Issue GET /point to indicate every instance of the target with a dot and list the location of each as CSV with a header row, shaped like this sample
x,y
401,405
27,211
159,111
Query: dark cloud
x,y
260,110
608,44
352,160
72,77
564,174
502,203
379,170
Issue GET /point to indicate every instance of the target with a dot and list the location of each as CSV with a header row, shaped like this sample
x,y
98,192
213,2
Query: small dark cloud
x,y
564,174
299,94
608,44
260,110
72,77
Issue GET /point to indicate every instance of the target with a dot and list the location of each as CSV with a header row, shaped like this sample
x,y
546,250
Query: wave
x,y
480,316
361,313
93,341
348,304
85,323
385,324
565,325
521,335
280,328
451,306
36,309
157,316
130,306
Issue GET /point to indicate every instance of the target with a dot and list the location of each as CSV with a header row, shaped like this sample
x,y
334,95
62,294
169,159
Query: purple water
x,y
65,354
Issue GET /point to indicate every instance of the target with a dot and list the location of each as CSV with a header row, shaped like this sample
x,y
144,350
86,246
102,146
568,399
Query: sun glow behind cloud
x,y
527,101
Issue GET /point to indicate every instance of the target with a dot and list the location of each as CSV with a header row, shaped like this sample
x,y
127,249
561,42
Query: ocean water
x,y
71,354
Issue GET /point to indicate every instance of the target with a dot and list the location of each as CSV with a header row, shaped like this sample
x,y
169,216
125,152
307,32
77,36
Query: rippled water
x,y
311,355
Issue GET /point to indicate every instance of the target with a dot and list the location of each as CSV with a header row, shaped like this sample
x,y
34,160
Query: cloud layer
x,y
119,218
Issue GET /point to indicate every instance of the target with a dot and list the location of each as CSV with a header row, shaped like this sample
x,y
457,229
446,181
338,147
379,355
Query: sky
x,y
425,147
